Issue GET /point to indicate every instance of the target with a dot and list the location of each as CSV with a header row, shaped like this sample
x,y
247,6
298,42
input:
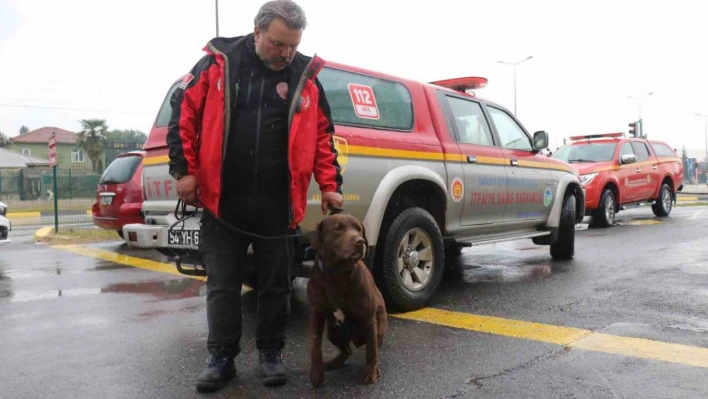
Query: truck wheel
x,y
663,204
413,260
120,233
564,248
604,215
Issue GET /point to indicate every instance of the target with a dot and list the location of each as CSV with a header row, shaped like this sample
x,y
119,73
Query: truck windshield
x,y
590,152
120,170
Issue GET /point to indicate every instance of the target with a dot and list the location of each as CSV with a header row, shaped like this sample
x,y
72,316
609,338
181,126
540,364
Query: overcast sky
x,y
116,59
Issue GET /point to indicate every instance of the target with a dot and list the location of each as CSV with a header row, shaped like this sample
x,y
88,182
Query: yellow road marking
x,y
13,215
565,336
569,337
43,232
684,198
128,260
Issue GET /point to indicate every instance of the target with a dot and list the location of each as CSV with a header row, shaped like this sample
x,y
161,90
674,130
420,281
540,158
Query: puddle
x,y
162,290
22,273
31,295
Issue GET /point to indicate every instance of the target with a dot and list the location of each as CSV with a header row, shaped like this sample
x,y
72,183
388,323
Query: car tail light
x,y
132,236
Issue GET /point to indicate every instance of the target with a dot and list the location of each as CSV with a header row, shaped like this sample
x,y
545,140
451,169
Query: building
x,y
20,175
35,144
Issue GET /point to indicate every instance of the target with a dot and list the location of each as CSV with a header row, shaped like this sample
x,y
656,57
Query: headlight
x,y
3,210
586,179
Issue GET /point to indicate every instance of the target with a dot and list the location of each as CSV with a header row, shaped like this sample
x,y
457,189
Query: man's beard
x,y
271,64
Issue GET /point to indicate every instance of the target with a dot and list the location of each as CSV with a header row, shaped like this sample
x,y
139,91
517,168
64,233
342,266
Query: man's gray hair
x,y
287,10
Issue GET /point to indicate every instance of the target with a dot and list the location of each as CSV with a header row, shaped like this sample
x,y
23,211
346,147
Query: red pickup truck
x,y
427,167
620,172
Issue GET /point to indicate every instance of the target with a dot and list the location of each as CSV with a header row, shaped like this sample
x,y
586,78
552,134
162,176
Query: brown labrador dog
x,y
342,296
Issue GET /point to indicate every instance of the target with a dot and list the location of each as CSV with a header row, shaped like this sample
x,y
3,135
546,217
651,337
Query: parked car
x,y
426,167
621,172
5,225
119,196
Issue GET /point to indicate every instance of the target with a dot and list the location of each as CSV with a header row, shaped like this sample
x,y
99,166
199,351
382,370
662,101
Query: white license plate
x,y
106,200
183,237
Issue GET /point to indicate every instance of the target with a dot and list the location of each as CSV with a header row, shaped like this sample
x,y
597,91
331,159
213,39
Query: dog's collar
x,y
321,266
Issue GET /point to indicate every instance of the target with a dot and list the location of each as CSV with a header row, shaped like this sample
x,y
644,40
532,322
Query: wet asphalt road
x,y
73,326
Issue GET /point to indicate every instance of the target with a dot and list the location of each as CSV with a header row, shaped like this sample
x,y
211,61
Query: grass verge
x,y
79,236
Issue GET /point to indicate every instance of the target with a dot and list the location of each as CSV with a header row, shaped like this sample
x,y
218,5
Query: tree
x,y
4,140
92,139
684,158
126,136
24,130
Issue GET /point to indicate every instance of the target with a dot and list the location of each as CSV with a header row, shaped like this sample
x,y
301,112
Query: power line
x,y
74,109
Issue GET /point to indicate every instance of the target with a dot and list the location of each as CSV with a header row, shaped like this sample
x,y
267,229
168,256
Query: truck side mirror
x,y
628,158
540,140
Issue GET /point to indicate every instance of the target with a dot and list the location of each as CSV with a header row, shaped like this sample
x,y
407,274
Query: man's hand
x,y
187,189
331,198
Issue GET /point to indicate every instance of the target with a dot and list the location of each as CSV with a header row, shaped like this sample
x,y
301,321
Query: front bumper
x,y
5,228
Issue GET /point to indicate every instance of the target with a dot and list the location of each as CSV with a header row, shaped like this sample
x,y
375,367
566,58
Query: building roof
x,y
11,159
42,135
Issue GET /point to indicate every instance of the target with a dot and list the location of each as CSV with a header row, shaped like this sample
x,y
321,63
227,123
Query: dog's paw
x,y
371,375
316,376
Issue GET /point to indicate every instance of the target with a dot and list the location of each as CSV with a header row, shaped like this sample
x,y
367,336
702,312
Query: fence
x,y
31,190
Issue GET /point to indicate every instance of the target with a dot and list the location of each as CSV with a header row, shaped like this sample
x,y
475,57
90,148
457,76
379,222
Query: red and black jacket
x,y
201,117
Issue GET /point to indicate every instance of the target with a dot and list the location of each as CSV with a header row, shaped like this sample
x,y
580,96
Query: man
x,y
249,128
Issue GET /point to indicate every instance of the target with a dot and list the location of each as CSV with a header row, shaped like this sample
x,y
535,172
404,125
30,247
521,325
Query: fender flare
x,y
388,185
565,182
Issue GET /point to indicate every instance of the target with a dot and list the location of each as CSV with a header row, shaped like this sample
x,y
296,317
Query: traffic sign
x,y
53,149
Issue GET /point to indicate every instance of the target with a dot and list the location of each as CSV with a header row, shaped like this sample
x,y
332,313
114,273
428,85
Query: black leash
x,y
181,207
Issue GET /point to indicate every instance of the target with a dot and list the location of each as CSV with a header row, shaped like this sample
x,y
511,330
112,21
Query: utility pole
x,y
217,17
514,64
705,127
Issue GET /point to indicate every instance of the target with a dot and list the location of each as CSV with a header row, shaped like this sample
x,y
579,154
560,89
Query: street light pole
x,y
640,101
514,64
705,126
217,17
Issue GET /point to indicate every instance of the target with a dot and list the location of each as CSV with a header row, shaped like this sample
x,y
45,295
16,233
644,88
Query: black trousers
x,y
223,252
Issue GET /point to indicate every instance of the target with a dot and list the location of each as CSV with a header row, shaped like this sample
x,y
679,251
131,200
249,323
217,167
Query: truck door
x,y
626,176
483,162
531,188
648,175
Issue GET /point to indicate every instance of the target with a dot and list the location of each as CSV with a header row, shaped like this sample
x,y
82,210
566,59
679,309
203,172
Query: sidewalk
x,y
694,189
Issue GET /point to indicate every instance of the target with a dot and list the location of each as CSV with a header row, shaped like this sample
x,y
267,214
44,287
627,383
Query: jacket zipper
x,y
258,127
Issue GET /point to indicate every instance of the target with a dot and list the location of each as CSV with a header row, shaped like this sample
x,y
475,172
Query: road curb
x,y
43,232
23,215
686,198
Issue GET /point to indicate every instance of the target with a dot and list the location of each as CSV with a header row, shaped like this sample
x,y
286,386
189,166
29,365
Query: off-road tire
x,y
398,297
600,217
661,207
564,247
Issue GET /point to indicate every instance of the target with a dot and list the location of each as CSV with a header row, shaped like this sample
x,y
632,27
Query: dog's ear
x,y
363,233
315,237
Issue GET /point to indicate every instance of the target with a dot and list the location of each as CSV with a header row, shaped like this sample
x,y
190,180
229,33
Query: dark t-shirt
x,y
256,182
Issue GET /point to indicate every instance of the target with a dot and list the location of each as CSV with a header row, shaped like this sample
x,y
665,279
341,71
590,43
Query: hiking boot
x,y
272,368
220,369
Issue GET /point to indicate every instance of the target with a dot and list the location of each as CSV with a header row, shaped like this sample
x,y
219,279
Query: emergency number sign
x,y
364,101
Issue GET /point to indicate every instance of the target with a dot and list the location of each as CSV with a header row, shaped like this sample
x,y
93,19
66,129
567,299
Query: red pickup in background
x,y
619,172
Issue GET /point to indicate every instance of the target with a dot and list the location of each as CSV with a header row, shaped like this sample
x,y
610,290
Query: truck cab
x,y
621,172
427,167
